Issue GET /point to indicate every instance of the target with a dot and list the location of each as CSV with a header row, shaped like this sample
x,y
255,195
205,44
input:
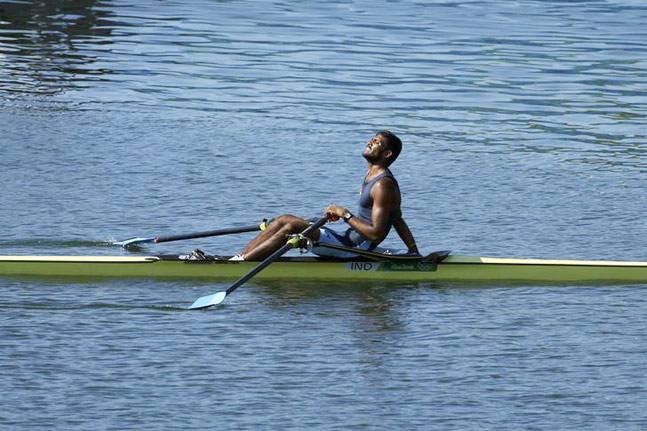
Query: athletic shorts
x,y
330,236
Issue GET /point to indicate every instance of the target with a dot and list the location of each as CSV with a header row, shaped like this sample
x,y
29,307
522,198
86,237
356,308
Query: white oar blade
x,y
132,241
208,301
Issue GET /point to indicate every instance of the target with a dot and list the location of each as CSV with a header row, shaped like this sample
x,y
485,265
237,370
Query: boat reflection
x,y
44,46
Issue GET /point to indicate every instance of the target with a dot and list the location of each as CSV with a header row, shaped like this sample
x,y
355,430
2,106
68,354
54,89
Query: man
x,y
379,210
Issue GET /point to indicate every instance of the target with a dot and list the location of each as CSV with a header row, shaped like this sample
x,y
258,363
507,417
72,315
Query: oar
x,y
217,298
168,238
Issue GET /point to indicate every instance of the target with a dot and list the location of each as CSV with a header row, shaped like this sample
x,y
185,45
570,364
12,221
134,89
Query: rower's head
x,y
383,148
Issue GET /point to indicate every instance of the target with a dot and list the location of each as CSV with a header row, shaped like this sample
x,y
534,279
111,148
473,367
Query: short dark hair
x,y
393,142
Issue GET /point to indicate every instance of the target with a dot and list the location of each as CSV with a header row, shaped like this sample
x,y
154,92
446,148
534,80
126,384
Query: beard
x,y
371,158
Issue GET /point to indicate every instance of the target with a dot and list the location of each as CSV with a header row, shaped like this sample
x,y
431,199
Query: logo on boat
x,y
392,266
362,266
410,266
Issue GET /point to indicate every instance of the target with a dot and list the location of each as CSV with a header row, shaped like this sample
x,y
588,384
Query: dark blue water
x,y
524,132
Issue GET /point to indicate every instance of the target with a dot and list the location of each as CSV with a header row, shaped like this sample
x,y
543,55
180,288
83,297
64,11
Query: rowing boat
x,y
451,268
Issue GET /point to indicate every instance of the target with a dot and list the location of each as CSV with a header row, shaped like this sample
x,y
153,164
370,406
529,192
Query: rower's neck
x,y
374,170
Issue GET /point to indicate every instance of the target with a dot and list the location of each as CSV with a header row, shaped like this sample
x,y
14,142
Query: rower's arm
x,y
405,234
384,195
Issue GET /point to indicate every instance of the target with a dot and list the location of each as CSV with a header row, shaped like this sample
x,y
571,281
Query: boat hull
x,y
454,268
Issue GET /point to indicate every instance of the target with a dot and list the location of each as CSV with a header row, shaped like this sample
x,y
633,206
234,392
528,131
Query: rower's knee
x,y
284,219
291,227
289,222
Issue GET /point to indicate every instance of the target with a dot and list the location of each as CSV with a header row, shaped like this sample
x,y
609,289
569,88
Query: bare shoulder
x,y
386,185
386,188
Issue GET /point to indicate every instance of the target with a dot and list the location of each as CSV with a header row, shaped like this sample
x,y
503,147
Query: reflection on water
x,y
373,303
42,43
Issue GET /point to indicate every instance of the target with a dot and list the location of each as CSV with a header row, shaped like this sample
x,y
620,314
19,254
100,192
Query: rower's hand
x,y
335,212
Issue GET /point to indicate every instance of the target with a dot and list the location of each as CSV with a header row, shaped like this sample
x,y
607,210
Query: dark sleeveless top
x,y
366,209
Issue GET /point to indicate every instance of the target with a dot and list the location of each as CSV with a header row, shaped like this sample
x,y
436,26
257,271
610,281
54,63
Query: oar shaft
x,y
258,268
208,233
167,238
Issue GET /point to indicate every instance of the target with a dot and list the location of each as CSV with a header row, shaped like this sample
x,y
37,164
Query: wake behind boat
x,y
371,266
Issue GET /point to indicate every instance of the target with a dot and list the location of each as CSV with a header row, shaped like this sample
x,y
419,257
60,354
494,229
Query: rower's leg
x,y
274,237
271,230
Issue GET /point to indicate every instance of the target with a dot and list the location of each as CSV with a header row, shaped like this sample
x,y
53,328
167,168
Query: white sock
x,y
237,258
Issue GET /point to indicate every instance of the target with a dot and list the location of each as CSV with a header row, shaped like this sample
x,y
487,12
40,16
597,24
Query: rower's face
x,y
375,147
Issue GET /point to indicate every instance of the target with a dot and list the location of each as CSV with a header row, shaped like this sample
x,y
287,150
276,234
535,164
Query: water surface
x,y
524,132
